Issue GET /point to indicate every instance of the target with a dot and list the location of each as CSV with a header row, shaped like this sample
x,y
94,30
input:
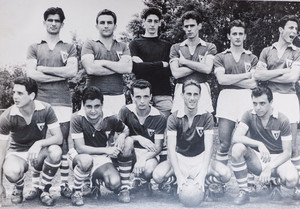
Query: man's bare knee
x,y
54,153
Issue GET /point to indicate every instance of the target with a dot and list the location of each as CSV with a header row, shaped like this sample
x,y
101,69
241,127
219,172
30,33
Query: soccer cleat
x,y
33,194
276,193
77,198
242,198
169,186
265,190
216,190
124,196
65,191
252,189
95,192
47,199
86,190
16,196
296,195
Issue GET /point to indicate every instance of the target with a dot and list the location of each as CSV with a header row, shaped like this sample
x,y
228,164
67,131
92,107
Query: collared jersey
x,y
109,84
23,136
55,93
153,128
202,50
277,130
226,60
190,140
95,136
291,56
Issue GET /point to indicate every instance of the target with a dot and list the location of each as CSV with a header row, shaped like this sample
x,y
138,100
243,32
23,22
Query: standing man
x,y
105,60
146,131
92,130
192,59
190,144
51,62
279,64
233,72
151,60
263,145
23,128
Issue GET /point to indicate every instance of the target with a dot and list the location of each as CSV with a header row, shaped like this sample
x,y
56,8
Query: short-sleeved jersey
x,y
152,51
55,93
202,49
153,128
109,84
277,130
24,135
226,60
190,140
291,56
95,136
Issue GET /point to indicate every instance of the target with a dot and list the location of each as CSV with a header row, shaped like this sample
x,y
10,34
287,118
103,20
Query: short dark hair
x,y
260,90
189,83
140,84
236,23
151,11
107,12
287,18
54,11
190,15
29,83
92,93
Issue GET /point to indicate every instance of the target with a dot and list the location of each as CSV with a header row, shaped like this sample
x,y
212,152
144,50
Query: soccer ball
x,y
191,195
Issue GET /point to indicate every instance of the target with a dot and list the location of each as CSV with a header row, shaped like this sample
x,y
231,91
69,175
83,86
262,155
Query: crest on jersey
x,y
288,63
119,53
64,56
40,126
150,132
201,58
199,131
276,134
247,66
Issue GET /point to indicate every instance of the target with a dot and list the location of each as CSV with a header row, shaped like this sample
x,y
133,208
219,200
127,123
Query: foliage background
x,y
260,17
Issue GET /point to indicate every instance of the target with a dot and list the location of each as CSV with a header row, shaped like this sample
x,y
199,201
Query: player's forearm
x,y
179,72
231,79
174,162
247,83
143,68
42,77
199,67
3,150
96,68
67,71
245,140
280,159
120,67
52,140
265,75
291,77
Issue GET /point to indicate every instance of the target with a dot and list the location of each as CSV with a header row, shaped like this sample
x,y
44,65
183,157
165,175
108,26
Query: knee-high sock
x,y
64,169
79,177
222,157
125,170
20,184
48,173
241,174
35,178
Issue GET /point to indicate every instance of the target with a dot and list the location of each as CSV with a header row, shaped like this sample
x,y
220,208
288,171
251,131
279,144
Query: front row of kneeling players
x,y
108,148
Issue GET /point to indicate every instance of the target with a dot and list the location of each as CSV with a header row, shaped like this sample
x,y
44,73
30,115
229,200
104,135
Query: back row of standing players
x,y
51,62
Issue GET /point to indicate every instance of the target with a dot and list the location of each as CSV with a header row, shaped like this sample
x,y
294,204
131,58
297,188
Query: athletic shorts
x,y
140,152
287,104
233,103
62,113
190,166
163,103
204,104
114,103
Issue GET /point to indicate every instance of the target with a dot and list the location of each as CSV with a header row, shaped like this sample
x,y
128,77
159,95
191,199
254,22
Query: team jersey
x,y
153,128
109,84
55,93
24,135
202,50
190,140
277,130
291,56
95,136
225,60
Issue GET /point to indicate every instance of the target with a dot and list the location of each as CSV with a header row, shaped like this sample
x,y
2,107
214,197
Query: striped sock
x,y
251,179
222,157
276,181
241,174
79,177
48,173
20,184
163,153
296,162
125,170
35,177
212,179
64,170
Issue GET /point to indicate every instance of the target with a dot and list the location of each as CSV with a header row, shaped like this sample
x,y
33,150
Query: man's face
x,y
53,24
106,26
93,109
191,96
289,31
20,96
141,98
261,105
191,28
237,36
151,24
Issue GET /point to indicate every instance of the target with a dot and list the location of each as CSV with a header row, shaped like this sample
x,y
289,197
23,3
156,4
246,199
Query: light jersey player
x,y
263,145
23,129
279,65
192,59
51,63
93,131
190,145
233,72
146,132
